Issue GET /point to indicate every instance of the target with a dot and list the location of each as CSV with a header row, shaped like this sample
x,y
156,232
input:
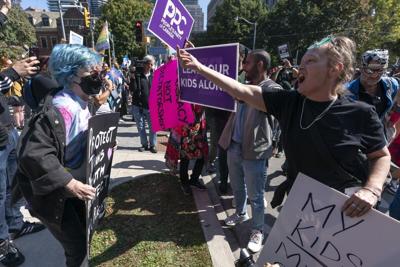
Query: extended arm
x,y
250,94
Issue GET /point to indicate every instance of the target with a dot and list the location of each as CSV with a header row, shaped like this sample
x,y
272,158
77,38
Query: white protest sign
x,y
75,38
283,51
312,231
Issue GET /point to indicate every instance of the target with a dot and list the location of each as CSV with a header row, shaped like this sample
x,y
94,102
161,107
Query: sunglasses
x,y
372,71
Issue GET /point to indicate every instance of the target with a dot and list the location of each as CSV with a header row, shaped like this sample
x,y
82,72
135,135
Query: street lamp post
x,y
62,20
255,29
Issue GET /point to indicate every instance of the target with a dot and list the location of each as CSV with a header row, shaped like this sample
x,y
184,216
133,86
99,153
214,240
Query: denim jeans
x,y
11,217
247,178
394,209
142,116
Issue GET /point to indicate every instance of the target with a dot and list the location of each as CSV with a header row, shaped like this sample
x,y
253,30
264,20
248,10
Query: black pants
x,y
223,165
184,168
72,232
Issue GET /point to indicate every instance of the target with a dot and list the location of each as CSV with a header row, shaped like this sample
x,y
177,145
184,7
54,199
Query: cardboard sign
x,y
312,231
75,38
171,22
283,51
101,141
165,109
197,89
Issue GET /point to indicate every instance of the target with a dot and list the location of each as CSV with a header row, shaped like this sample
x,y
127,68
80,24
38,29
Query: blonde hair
x,y
342,50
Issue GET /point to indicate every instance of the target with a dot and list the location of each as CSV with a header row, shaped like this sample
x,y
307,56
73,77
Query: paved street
x,y
42,250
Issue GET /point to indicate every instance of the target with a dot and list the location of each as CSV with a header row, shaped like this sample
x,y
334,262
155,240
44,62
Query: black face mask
x,y
91,84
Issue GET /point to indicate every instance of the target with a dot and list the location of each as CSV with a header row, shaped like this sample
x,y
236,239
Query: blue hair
x,y
67,59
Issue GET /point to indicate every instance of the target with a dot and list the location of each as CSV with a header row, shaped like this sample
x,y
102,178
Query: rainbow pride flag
x,y
103,42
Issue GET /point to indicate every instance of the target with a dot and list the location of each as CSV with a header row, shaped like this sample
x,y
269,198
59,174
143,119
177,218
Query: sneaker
x,y
186,189
26,229
392,186
9,254
143,148
236,219
153,149
255,242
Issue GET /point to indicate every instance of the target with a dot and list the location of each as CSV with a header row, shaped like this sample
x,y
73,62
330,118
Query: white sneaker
x,y
255,243
236,219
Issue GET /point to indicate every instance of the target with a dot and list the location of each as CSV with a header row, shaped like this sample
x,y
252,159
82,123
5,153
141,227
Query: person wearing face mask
x,y
51,168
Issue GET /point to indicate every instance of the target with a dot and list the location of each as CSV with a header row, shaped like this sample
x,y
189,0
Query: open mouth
x,y
301,78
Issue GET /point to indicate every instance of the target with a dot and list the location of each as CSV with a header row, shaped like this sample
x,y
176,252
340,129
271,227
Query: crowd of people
x,y
325,110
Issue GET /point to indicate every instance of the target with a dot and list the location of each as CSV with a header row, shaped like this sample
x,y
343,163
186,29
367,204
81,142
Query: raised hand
x,y
187,61
27,67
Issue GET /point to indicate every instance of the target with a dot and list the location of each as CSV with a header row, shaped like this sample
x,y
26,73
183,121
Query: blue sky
x,y
42,4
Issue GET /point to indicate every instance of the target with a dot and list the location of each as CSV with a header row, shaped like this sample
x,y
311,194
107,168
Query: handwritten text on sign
x,y
166,111
311,231
171,22
100,145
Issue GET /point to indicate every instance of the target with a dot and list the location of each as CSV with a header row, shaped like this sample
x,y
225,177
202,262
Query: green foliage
x,y
121,16
298,23
17,32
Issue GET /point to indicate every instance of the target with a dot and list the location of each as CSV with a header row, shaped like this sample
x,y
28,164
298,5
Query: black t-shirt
x,y
378,101
348,127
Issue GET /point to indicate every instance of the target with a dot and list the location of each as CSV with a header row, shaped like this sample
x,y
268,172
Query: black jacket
x,y
41,176
140,89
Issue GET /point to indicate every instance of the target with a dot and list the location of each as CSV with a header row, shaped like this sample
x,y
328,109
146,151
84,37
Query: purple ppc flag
x,y
196,89
171,22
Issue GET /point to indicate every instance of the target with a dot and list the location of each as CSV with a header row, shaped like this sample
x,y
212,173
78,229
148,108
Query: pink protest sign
x,y
166,111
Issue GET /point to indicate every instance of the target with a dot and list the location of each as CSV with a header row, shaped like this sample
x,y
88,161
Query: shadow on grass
x,y
147,217
154,165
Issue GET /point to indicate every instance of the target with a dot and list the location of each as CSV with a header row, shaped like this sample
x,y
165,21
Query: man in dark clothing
x,y
140,89
11,220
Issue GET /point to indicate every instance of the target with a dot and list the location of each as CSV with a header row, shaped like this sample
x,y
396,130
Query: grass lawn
x,y
149,222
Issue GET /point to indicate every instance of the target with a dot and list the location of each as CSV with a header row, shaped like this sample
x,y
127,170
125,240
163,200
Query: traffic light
x,y
86,16
139,31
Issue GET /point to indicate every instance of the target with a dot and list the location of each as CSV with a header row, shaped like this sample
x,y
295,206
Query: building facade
x,y
211,8
45,24
49,31
95,7
74,21
197,13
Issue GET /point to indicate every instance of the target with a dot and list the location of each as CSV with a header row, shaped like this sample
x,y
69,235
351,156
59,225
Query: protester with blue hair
x,y
51,170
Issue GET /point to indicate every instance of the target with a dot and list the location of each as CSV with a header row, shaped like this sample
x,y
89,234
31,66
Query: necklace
x,y
317,118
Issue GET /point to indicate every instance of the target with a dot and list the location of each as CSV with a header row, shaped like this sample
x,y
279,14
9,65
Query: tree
x,y
17,32
370,23
121,16
299,23
225,28
385,27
